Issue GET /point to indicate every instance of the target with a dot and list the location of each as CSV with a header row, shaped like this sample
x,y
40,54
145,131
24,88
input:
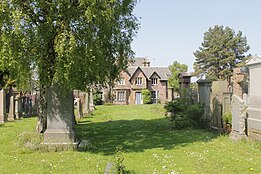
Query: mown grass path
x,y
144,136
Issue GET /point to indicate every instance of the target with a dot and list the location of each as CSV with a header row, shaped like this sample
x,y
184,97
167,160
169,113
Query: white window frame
x,y
154,81
121,95
138,81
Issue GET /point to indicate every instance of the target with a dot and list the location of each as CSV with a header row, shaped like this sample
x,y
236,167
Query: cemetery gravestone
x,y
254,102
2,106
11,115
60,117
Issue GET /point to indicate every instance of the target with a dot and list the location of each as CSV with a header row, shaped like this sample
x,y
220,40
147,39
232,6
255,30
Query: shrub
x,y
181,121
185,114
146,96
227,118
97,100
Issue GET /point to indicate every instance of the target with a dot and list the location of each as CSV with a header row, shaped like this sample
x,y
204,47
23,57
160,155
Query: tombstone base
x,y
10,118
2,119
59,139
254,134
236,136
59,136
254,123
59,146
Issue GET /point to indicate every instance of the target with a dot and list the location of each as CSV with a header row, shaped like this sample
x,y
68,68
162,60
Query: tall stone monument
x,y
91,103
86,104
60,117
254,102
11,113
2,106
204,88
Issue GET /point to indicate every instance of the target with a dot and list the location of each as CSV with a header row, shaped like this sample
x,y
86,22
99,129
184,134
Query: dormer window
x,y
154,81
121,81
138,81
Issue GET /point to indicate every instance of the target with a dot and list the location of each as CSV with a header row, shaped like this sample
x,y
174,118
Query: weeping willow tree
x,y
73,43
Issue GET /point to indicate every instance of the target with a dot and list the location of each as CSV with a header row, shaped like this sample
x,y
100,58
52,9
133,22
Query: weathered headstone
x,y
216,98
79,108
239,109
18,112
85,104
254,102
2,106
91,103
204,88
220,103
60,117
11,113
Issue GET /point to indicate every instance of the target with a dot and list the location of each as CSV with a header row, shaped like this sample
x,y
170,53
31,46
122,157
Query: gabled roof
x,y
185,74
155,73
135,70
162,72
138,61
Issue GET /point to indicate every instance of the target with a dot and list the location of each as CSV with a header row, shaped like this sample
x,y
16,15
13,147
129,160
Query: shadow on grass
x,y
5,124
137,135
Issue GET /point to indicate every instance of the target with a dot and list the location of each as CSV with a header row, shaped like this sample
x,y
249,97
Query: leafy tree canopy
x,y
221,51
175,69
71,42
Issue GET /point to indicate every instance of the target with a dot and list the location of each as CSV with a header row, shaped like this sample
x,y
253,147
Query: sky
x,y
173,29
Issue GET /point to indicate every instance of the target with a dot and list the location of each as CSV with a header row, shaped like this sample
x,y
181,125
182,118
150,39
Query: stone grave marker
x,y
11,113
60,117
2,106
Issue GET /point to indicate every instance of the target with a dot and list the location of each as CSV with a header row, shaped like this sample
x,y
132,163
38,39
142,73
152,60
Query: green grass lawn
x,y
147,143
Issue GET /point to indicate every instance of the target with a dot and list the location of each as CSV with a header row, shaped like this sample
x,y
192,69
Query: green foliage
x,y
73,43
146,96
227,118
97,99
185,113
175,69
221,51
119,167
181,121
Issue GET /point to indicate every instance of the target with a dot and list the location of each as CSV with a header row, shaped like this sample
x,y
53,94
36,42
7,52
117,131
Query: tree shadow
x,y
137,135
2,125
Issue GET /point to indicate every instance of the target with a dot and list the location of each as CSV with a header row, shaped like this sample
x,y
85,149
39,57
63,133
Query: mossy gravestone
x,y
60,117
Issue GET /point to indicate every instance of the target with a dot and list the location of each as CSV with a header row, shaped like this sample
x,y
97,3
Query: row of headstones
x,y
84,103
13,106
246,111
216,98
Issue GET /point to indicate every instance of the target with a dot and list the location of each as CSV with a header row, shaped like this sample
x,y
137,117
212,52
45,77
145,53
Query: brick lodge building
x,y
138,76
